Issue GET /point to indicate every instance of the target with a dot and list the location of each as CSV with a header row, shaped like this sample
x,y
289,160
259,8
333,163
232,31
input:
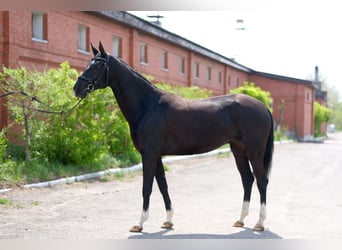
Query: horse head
x,y
95,76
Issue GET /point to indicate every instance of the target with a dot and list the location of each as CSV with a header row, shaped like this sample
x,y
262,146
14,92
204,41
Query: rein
x,y
34,98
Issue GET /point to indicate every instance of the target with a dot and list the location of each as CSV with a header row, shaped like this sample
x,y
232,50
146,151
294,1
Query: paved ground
x,y
304,201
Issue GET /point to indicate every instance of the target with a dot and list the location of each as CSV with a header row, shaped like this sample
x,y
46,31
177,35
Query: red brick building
x,y
45,39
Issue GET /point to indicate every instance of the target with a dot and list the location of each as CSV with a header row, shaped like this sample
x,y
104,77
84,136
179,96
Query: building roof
x,y
157,31
285,78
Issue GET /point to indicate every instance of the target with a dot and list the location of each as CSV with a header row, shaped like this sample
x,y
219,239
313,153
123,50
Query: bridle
x,y
92,82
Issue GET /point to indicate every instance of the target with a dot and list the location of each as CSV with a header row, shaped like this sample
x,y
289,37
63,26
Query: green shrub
x,y
256,92
92,137
321,115
3,146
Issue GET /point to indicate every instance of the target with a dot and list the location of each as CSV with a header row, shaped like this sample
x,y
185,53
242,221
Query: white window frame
x,y
181,65
196,70
116,48
209,74
143,53
82,38
164,58
38,27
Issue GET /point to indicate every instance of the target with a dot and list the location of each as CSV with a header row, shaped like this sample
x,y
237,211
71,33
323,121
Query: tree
x,y
22,108
321,115
335,104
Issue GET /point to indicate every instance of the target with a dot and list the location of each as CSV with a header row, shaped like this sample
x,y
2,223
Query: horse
x,y
162,123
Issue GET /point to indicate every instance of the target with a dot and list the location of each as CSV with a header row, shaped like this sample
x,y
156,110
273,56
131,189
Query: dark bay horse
x,y
162,123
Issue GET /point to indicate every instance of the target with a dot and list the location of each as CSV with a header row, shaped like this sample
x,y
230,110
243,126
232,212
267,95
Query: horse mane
x,y
134,72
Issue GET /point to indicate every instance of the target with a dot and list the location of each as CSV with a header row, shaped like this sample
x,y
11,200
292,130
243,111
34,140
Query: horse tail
x,y
269,147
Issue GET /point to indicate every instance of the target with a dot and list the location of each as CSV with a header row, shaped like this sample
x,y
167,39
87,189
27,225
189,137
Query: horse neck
x,y
134,94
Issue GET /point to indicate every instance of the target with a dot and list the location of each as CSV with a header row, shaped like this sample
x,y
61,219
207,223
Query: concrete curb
x,y
131,169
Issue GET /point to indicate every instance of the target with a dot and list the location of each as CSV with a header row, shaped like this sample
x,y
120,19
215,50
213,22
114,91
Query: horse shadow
x,y
247,233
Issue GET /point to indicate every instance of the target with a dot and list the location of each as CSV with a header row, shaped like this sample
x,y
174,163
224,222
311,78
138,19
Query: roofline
x,y
138,23
157,31
285,78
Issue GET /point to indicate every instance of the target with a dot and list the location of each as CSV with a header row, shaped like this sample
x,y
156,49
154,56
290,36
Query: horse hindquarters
x,y
257,151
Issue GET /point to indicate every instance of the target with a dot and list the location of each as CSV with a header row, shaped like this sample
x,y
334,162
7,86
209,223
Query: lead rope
x,y
34,98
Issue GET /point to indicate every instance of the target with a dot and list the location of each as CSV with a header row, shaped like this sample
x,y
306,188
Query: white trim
x,y
39,40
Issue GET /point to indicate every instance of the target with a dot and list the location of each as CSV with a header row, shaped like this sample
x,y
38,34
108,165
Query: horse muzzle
x,y
82,91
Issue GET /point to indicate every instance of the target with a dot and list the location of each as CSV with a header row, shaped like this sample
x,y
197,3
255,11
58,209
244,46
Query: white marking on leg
x,y
169,214
143,218
244,211
262,214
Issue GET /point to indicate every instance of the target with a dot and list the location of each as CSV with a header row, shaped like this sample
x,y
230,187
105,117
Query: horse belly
x,y
192,140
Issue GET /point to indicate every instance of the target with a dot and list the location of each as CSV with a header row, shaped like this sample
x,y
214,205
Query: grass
x,y
10,203
3,201
223,155
18,173
120,176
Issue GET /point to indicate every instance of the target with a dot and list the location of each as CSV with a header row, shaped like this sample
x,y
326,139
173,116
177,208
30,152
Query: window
x,y
83,38
196,70
117,46
209,74
39,26
164,60
143,53
308,96
182,65
220,77
237,82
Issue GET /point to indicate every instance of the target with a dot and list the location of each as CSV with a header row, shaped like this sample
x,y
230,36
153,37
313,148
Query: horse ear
x,y
95,51
103,52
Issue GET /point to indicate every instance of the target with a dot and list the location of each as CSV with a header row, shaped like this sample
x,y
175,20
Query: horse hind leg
x,y
162,184
247,182
262,181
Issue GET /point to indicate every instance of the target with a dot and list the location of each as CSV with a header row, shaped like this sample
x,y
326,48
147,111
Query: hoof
x,y
136,229
259,228
238,224
167,225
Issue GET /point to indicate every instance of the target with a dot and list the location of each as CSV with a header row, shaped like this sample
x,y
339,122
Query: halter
x,y
93,82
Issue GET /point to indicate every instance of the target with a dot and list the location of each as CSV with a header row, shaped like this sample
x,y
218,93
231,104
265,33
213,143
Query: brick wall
x,y
61,45
298,99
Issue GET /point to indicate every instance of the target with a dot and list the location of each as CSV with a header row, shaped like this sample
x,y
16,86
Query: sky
x,y
285,40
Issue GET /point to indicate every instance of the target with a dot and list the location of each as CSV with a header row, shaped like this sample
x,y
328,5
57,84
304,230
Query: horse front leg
x,y
162,184
149,169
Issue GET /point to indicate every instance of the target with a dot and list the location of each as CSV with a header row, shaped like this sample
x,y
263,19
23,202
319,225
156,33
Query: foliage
x,y
92,137
321,115
335,104
3,146
22,107
256,92
336,115
193,92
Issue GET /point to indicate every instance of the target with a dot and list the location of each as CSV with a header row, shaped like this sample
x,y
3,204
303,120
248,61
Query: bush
x,y
256,92
321,115
192,92
92,137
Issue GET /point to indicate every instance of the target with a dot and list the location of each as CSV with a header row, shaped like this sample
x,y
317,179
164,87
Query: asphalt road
x,y
304,201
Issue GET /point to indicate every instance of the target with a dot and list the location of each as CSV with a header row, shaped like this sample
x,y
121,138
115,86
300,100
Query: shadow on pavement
x,y
247,233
